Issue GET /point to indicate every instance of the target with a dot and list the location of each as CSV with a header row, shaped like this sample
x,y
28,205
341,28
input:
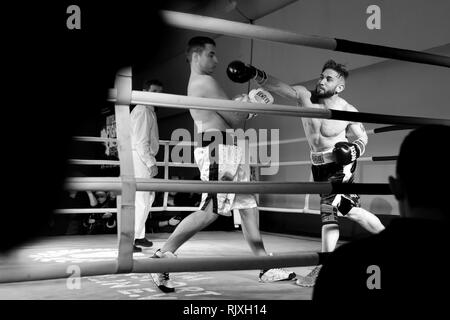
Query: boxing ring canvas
x,y
217,285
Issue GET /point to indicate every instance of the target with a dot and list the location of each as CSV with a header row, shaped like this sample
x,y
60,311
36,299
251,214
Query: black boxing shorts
x,y
331,204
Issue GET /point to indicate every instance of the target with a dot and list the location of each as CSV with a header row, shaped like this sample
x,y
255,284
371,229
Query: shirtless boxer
x,y
333,157
210,158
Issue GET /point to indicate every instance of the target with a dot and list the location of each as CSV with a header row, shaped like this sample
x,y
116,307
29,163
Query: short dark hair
x,y
420,153
338,67
197,44
148,83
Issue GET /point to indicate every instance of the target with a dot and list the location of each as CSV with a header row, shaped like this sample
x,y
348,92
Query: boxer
x,y
333,156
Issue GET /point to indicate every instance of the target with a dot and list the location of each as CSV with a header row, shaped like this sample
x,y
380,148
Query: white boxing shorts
x,y
224,162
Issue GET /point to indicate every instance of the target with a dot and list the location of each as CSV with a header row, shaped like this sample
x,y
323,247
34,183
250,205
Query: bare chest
x,y
324,127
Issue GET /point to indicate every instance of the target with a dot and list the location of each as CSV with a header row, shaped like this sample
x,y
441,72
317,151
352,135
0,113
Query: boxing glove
x,y
240,72
260,96
346,152
243,97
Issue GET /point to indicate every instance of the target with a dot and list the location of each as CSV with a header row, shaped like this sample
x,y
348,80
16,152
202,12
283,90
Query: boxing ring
x,y
126,184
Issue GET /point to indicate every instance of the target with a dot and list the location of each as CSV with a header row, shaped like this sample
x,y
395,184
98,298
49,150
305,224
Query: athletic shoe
x,y
276,274
310,279
136,249
143,242
162,280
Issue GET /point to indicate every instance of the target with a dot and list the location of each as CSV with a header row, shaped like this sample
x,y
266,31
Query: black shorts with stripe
x,y
330,204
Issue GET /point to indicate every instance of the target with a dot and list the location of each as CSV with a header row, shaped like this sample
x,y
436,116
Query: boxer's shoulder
x,y
204,86
348,107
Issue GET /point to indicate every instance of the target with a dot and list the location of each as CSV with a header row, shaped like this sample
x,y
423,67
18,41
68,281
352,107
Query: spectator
x,y
145,145
102,222
70,224
407,260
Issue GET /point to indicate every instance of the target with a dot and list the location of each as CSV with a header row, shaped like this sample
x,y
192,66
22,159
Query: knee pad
x,y
328,213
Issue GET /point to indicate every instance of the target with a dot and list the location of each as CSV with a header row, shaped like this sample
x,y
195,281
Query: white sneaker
x,y
162,280
310,279
276,274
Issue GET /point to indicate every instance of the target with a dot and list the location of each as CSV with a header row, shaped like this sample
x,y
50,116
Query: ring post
x,y
125,207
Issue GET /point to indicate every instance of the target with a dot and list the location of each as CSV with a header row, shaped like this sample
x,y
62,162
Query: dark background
x,y
55,86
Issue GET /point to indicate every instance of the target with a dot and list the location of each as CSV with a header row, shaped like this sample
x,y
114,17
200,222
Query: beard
x,y
324,94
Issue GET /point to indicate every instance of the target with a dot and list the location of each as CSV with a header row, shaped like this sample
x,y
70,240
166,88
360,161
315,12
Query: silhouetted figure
x,y
408,261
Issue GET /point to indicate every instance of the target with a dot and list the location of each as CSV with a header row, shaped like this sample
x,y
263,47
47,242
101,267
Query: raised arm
x,y
240,72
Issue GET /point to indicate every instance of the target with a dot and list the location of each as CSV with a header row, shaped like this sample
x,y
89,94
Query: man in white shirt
x,y
145,145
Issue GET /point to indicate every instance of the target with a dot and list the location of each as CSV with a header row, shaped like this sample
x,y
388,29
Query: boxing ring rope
x,y
57,271
251,31
283,141
83,210
161,185
185,102
193,165
304,139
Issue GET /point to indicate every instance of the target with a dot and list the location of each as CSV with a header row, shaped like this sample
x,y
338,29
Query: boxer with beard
x,y
333,155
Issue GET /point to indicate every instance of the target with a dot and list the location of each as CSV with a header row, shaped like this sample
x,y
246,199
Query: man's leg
x,y
188,227
366,219
250,229
142,204
330,226
330,237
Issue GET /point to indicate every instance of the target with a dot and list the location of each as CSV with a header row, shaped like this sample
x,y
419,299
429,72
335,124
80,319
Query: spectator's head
x,y
112,195
422,175
101,196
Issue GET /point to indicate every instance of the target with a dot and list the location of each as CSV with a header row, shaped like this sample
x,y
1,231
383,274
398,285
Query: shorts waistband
x,y
209,137
319,158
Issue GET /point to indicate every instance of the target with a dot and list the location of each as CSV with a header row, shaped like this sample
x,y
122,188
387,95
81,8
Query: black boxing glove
x,y
346,152
240,72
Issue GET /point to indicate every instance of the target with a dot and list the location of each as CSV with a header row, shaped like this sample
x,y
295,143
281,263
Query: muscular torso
x,y
323,134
